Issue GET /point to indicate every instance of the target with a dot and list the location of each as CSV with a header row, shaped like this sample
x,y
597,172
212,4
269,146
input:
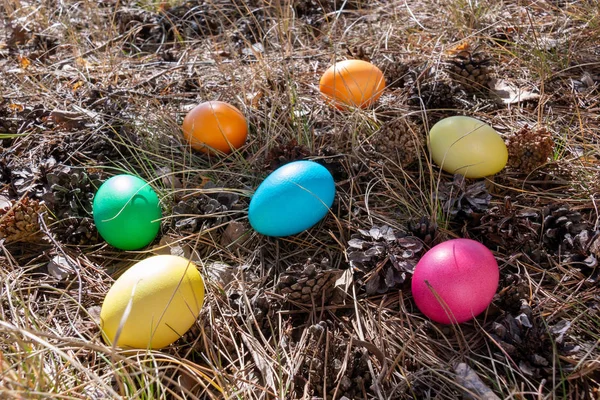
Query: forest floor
x,y
89,90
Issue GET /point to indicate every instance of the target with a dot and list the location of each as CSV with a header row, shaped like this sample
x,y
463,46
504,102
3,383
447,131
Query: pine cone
x,y
561,225
470,69
529,149
460,200
580,244
20,221
431,88
424,229
582,250
71,192
511,229
283,153
335,161
102,146
434,95
309,282
259,313
79,231
381,258
395,72
525,339
313,12
514,290
25,177
192,19
325,356
396,140
358,53
203,210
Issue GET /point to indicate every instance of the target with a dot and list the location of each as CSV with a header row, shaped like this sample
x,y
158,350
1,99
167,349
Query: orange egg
x,y
215,126
354,83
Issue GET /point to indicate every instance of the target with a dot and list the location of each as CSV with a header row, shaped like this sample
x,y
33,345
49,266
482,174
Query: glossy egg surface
x,y
152,303
467,146
455,281
292,199
215,126
354,83
127,212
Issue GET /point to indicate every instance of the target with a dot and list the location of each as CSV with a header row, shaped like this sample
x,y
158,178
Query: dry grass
x,y
103,87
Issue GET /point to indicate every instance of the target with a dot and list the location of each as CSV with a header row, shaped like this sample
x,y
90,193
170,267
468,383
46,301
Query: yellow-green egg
x,y
467,146
153,303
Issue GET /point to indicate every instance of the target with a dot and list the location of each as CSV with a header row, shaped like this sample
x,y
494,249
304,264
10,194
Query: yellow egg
x,y
467,146
355,83
153,303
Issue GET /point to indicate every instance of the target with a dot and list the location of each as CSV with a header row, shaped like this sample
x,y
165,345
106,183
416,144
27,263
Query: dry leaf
x,y
204,181
82,62
233,232
510,94
59,268
463,46
168,178
169,245
261,361
5,202
67,119
255,50
345,280
253,98
221,273
19,35
16,107
94,313
24,61
76,86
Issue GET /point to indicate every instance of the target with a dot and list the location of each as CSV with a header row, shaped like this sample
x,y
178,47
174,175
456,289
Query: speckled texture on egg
x,y
292,199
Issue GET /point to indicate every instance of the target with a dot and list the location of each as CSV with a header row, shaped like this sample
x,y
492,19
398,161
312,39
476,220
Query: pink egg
x,y
455,281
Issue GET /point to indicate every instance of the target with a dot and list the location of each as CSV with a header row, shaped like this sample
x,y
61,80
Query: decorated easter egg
x,y
455,281
215,126
126,212
467,146
354,83
292,199
153,303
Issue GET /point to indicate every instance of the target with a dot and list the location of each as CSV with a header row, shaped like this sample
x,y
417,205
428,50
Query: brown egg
x,y
354,83
215,126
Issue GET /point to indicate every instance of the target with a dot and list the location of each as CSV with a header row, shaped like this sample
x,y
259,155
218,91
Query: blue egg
x,y
292,199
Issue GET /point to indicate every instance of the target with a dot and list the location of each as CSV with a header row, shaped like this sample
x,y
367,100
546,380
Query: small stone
x,y
539,361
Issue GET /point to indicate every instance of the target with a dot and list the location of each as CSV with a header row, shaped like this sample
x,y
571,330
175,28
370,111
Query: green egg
x,y
127,212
